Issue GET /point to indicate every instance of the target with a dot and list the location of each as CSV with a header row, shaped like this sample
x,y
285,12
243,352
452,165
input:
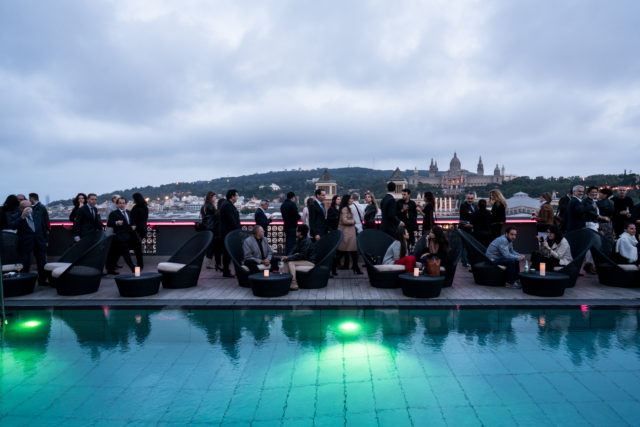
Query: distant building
x,y
455,180
399,180
520,204
328,184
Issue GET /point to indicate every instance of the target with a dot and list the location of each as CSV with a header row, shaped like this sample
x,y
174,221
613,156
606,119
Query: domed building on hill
x,y
456,180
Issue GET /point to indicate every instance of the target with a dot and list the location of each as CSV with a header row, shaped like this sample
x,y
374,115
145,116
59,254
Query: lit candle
x,y
416,272
266,273
543,268
137,271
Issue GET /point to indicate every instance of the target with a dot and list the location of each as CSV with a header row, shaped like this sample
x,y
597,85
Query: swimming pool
x,y
320,367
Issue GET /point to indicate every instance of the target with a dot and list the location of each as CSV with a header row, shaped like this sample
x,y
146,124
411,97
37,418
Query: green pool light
x,y
349,327
31,324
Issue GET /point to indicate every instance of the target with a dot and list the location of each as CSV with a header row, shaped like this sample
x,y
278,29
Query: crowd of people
x,y
614,217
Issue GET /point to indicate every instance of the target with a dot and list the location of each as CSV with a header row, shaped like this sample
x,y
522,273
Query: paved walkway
x,y
344,290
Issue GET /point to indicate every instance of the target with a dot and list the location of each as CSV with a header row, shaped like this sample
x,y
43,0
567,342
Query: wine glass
x,y
19,268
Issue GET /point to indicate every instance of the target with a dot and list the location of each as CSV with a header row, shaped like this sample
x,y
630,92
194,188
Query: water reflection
x,y
30,331
580,334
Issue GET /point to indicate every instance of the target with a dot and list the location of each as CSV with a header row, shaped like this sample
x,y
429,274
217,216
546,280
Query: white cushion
x,y
304,267
170,267
261,267
389,267
9,267
558,267
442,269
59,271
50,266
502,267
628,267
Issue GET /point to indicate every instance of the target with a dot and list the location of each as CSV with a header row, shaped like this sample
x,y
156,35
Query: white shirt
x,y
358,215
626,246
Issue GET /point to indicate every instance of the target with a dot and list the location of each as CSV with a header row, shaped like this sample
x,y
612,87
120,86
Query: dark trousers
x,y
136,244
253,265
513,268
496,230
226,258
211,249
290,242
119,249
39,250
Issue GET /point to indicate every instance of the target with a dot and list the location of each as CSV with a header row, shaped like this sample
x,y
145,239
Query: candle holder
x,y
416,272
136,271
543,268
266,273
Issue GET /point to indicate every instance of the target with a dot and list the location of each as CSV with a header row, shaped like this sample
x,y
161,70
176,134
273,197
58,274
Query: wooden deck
x,y
346,289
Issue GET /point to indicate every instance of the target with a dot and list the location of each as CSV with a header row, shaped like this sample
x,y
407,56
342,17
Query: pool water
x,y
387,367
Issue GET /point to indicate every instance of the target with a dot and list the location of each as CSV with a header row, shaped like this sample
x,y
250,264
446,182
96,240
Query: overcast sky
x,y
103,95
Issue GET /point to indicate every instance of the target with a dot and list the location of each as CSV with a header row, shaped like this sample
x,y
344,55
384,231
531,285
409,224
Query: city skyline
x,y
111,95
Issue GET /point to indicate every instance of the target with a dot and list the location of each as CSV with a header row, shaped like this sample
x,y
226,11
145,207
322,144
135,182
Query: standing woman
x,y
208,215
370,211
498,213
428,218
10,207
333,213
544,216
346,224
78,202
139,218
305,211
218,241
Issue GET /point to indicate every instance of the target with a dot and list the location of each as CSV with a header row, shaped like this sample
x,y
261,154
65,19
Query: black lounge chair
x,y
233,244
9,250
182,270
448,266
73,253
316,277
580,242
84,274
610,273
372,245
485,272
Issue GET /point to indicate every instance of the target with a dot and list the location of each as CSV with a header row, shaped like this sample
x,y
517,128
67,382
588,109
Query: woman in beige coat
x,y
346,224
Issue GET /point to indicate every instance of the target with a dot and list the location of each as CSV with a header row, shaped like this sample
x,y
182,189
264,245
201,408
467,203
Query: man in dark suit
x,y
33,237
87,218
261,215
390,220
229,221
290,216
37,206
318,216
578,209
467,209
622,210
407,212
123,232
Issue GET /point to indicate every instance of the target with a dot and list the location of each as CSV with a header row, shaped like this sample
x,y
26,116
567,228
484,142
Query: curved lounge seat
x,y
580,241
83,275
317,276
9,250
610,273
182,270
373,244
485,272
233,244
73,253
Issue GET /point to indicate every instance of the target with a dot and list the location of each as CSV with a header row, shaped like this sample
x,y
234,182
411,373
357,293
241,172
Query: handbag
x,y
433,267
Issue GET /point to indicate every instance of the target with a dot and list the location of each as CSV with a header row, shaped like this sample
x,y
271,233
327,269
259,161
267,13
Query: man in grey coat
x,y
501,252
257,252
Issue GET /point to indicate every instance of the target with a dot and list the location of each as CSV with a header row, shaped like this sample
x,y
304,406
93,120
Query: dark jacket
x,y
428,219
208,215
498,213
466,215
481,221
317,220
86,223
139,218
44,214
290,215
27,237
7,217
620,204
606,207
229,218
303,251
333,218
370,213
410,216
121,232
390,220
261,219
577,213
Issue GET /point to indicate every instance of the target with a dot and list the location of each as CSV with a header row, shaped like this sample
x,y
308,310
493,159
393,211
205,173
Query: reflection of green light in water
x,y
31,324
349,327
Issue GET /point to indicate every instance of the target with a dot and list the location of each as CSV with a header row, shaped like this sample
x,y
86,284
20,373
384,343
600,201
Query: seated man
x,y
627,245
257,252
501,252
302,254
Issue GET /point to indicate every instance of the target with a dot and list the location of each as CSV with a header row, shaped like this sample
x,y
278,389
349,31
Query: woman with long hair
x,y
308,202
78,202
498,212
544,216
398,251
207,216
437,246
333,213
428,218
554,250
346,224
370,211
139,218
9,208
